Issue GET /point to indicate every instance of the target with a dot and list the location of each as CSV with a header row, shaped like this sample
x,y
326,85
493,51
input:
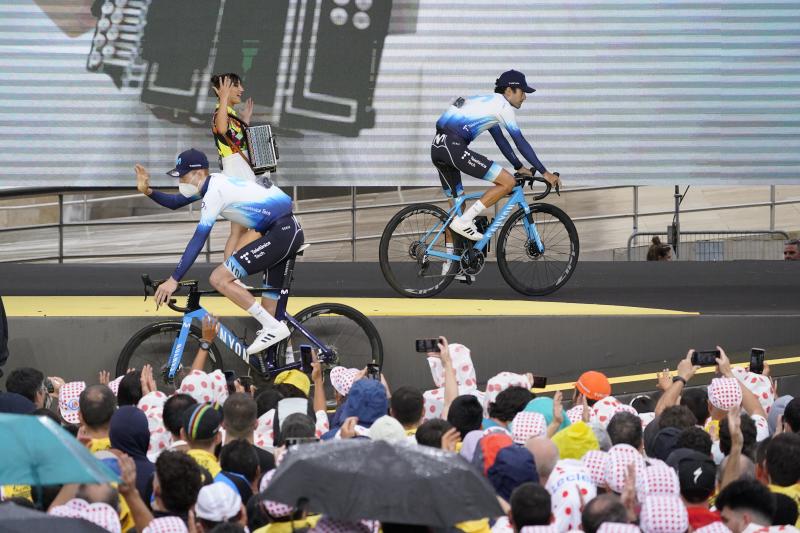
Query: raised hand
x,y
142,180
248,110
104,377
210,327
450,439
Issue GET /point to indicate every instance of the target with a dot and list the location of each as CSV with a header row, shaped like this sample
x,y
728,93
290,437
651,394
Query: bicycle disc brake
x,y
532,249
472,261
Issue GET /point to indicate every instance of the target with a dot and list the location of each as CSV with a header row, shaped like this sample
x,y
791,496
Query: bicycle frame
x,y
517,199
232,342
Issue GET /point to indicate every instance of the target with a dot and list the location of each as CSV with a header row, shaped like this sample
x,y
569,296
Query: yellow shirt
x,y
475,526
288,527
16,491
206,460
235,135
792,491
99,445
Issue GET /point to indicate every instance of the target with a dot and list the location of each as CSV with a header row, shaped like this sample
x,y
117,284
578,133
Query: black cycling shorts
x,y
269,253
451,157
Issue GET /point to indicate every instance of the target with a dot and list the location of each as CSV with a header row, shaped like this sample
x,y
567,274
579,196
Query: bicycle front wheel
x,y
404,263
348,333
152,345
526,268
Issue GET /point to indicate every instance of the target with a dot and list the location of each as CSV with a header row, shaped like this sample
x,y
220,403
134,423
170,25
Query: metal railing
x,y
352,208
712,245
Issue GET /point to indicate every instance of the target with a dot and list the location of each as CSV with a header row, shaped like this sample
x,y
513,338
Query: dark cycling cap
x,y
187,161
513,79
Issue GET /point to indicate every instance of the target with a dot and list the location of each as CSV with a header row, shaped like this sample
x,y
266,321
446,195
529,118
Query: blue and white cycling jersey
x,y
469,117
235,199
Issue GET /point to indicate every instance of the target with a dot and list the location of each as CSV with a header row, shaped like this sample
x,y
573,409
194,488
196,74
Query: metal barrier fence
x,y
712,245
349,208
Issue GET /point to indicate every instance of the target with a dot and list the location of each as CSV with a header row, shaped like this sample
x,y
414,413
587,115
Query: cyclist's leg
x,y
283,238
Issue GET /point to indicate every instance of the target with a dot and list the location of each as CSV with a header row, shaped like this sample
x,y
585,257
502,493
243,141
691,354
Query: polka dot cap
x,y
205,388
275,509
503,381
166,524
462,363
604,409
658,479
724,393
342,378
758,384
69,400
663,514
575,414
619,457
527,425
99,514
114,385
595,463
264,435
152,405
617,527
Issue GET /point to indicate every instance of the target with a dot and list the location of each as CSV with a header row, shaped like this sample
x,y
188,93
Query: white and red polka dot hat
x,y
434,401
462,364
503,381
595,463
570,487
114,384
166,524
619,457
658,479
759,384
527,425
604,409
342,378
99,514
69,401
264,435
152,405
618,527
329,525
275,509
575,414
724,393
205,388
663,514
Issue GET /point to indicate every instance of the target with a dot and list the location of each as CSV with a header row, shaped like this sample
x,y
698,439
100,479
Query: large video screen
x,y
628,91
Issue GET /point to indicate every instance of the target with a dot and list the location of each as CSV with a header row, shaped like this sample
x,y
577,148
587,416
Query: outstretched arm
x,y
170,201
505,147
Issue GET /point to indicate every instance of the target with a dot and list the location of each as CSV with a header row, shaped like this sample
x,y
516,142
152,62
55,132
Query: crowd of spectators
x,y
722,457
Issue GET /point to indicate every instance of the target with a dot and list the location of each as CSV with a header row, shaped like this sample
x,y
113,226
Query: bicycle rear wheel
x,y
351,336
404,263
521,264
153,344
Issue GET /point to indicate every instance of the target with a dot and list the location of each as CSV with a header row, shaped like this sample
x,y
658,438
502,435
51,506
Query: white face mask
x,y
188,189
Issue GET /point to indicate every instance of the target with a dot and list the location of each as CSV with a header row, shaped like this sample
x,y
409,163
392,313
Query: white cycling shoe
x,y
466,229
267,337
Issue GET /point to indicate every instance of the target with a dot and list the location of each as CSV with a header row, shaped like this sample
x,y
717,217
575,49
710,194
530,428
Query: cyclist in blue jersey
x,y
274,235
463,121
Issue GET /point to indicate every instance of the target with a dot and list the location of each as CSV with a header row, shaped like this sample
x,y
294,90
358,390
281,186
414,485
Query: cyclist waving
x,y
274,236
463,121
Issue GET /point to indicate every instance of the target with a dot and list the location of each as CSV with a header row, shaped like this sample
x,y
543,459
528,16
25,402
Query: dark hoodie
x,y
129,433
366,401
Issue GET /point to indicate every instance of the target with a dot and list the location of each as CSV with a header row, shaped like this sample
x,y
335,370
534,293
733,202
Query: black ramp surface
x,y
736,287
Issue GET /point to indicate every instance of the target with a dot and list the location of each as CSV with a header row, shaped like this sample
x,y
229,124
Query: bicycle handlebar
x,y
522,180
172,302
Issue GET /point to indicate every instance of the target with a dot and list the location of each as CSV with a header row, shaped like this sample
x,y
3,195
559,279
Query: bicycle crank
x,y
472,261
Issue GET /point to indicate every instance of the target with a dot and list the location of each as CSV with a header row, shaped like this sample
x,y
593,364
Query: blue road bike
x,y
340,334
537,247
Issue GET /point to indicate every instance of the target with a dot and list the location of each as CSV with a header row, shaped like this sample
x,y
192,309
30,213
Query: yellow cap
x,y
296,378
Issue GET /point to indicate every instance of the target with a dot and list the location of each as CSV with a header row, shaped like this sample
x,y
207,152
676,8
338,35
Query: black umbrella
x,y
17,519
399,483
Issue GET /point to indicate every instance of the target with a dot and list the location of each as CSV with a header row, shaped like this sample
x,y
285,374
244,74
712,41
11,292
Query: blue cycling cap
x,y
187,161
513,79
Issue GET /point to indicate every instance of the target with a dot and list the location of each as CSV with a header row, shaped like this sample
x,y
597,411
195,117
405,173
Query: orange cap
x,y
594,385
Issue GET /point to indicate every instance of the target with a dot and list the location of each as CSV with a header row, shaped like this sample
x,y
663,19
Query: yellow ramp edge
x,y
134,306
